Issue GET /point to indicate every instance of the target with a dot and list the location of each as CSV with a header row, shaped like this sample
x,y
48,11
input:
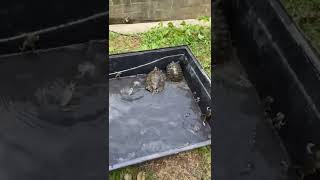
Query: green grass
x,y
306,14
205,153
198,39
205,167
204,18
133,170
120,44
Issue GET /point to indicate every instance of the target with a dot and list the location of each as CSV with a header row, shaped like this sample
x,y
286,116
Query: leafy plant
x,y
204,18
196,37
133,170
306,14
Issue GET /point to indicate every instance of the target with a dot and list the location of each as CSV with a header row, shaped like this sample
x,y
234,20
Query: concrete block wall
x,y
157,10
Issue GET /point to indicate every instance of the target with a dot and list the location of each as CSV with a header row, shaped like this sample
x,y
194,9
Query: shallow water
x,y
38,138
142,124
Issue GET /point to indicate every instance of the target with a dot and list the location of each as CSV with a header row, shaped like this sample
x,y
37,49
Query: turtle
x,y
174,72
155,81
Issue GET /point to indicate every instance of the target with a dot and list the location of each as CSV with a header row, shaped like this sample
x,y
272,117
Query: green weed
x,y
204,18
196,37
306,14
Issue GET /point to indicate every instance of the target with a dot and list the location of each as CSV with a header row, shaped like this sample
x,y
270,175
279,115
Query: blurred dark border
x,y
58,23
281,63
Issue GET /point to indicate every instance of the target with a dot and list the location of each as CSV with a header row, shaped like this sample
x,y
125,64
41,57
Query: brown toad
x,y
155,81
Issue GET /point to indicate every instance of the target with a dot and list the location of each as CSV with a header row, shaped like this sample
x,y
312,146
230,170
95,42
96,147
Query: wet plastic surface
x,y
143,126
255,150
47,131
279,63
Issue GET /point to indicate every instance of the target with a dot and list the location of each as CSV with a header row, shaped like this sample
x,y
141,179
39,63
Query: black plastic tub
x,y
58,23
145,126
274,59
39,137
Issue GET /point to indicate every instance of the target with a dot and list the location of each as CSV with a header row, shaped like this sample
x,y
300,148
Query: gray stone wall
x,y
157,10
